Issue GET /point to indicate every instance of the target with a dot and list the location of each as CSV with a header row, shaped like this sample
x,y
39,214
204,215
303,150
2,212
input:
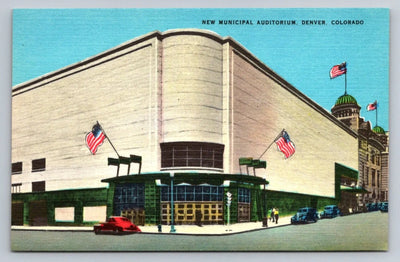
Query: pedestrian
x,y
273,214
269,214
199,216
276,215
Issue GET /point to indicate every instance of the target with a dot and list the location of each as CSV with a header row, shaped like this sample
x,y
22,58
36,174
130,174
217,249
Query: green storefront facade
x,y
198,197
38,208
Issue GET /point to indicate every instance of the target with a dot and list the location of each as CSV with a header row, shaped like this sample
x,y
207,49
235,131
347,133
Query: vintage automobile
x,y
330,211
372,207
305,215
384,207
116,225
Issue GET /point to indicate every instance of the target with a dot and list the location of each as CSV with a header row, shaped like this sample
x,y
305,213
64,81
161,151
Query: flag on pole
x,y
285,145
338,70
95,138
372,106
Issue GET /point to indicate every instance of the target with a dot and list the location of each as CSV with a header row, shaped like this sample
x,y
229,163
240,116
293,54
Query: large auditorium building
x,y
187,114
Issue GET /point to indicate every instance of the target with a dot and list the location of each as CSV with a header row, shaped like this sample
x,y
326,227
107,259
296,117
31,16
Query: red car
x,y
116,225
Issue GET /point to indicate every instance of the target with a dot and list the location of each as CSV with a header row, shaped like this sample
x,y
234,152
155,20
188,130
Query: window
x,y
378,176
373,177
193,193
128,196
16,168
39,186
16,188
64,214
39,165
192,154
244,195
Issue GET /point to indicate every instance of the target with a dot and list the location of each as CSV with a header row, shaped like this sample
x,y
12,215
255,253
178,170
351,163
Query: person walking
x,y
276,215
199,216
273,214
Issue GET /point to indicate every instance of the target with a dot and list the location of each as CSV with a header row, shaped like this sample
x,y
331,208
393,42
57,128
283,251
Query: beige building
x,y
186,101
373,151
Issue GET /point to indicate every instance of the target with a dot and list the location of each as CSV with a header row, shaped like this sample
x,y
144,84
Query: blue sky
x,y
47,40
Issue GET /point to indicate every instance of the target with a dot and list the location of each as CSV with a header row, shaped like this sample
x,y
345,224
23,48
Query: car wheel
x,y
97,231
118,230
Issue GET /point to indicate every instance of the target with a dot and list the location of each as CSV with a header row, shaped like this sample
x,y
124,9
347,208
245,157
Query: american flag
x,y
95,138
338,70
372,106
285,145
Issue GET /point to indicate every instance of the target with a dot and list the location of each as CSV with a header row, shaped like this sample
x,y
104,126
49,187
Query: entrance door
x,y
17,214
243,212
38,213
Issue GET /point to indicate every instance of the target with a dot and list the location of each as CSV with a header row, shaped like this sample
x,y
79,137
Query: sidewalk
x,y
179,229
216,229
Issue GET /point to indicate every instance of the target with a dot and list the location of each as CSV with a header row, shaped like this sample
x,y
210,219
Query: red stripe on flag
x,y
287,149
93,143
336,71
372,106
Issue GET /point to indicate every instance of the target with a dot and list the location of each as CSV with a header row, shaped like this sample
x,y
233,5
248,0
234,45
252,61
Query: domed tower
x,y
347,110
381,134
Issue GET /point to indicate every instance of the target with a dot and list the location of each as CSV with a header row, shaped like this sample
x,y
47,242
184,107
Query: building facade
x,y
190,103
373,152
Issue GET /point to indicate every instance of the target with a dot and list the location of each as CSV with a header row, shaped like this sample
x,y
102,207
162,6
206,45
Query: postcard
x,y
200,130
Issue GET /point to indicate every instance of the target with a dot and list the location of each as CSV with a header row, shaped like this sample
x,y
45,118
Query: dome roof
x,y
346,99
378,130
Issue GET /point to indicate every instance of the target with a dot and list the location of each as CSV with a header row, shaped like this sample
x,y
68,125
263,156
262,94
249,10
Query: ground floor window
x,y
244,195
193,213
64,214
128,196
193,193
94,213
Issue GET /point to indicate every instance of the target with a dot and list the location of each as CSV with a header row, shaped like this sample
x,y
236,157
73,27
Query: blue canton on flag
x,y
95,138
285,145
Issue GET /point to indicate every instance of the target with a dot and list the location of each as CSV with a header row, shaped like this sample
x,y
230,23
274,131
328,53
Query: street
x,y
360,232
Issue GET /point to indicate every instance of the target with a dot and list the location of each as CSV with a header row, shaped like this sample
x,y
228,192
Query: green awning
x,y
193,178
359,190
345,171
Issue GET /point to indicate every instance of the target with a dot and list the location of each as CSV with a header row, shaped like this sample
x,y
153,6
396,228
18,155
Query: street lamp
x,y
172,204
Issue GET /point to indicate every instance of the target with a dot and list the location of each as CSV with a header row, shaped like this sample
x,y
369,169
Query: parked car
x,y
116,225
305,215
330,211
384,207
372,207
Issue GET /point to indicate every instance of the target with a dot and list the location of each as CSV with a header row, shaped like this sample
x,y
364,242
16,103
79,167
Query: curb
x,y
213,234
148,233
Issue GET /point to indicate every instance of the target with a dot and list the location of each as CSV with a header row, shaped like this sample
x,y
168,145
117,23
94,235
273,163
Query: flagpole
x,y
376,115
345,83
280,133
108,139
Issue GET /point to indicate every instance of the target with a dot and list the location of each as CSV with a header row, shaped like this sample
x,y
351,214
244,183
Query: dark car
x,y
372,207
116,225
330,211
384,207
305,215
